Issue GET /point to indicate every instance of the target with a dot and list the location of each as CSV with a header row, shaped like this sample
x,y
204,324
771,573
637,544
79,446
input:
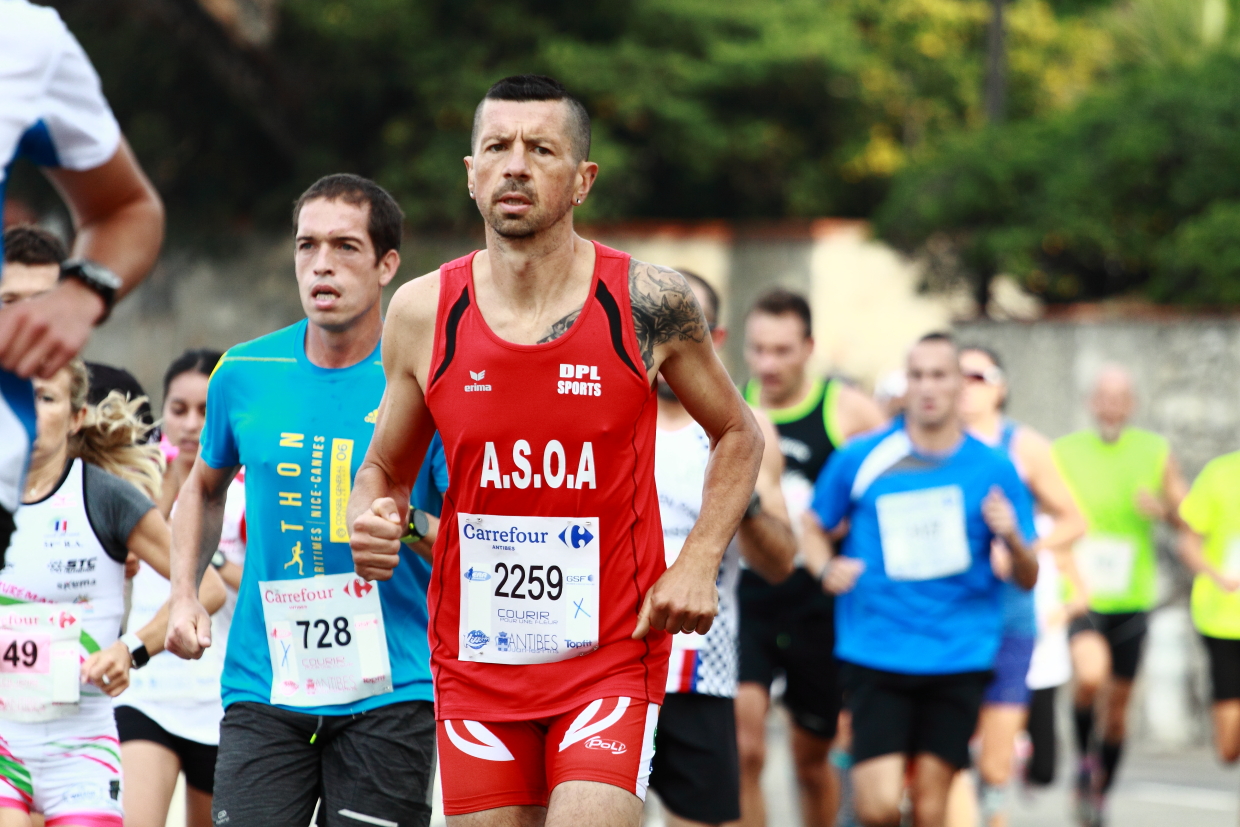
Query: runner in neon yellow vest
x,y
1210,547
1125,480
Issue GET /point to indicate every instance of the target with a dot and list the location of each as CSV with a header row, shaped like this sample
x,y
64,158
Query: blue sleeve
x,y
218,443
833,491
432,480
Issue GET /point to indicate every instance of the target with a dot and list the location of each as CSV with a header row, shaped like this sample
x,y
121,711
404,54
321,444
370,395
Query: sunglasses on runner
x,y
990,376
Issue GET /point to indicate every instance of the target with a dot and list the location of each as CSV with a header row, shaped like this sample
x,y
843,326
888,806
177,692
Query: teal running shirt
x,y
301,432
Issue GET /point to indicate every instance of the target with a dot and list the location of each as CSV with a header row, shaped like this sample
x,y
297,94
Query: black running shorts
x,y
912,714
1125,634
789,629
1224,667
372,768
197,759
696,769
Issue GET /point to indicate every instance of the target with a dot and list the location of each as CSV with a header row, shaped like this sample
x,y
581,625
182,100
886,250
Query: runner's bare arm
x,y
836,573
767,541
673,337
403,431
119,222
149,541
196,529
1000,517
1175,489
1050,491
857,413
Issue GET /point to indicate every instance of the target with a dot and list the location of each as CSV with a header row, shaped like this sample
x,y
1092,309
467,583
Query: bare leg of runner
x,y
13,818
1227,730
932,779
752,704
816,781
501,817
999,724
147,801
576,803
1091,663
197,808
878,787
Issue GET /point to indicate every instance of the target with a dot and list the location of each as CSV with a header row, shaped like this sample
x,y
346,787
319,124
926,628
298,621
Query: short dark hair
x,y
201,361
540,88
386,221
939,336
985,351
31,245
781,302
711,310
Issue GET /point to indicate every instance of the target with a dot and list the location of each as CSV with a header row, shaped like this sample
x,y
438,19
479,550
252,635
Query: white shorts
x,y
69,769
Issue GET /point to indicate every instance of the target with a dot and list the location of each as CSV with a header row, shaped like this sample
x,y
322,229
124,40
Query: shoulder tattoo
x,y
560,327
664,308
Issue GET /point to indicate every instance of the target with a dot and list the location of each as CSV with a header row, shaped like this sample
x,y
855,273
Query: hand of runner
x,y
684,599
40,335
1227,582
189,628
376,540
108,669
999,514
842,574
1150,505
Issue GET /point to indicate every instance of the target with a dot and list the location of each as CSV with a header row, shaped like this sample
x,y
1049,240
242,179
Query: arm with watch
x,y
766,539
109,668
118,222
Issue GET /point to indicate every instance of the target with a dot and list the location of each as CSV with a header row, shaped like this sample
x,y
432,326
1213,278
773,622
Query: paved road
x,y
1182,789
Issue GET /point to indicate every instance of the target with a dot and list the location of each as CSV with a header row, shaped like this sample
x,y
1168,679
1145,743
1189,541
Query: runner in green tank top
x,y
1210,548
1125,480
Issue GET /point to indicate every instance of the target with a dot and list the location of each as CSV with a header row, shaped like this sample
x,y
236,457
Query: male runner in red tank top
x,y
550,609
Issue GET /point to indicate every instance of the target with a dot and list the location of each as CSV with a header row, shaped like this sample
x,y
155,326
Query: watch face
x,y
420,523
218,559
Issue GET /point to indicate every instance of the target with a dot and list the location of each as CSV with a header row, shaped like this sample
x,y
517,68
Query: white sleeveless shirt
x,y
183,696
703,664
56,557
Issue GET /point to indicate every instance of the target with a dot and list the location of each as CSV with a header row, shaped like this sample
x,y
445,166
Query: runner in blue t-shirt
x,y
919,612
326,683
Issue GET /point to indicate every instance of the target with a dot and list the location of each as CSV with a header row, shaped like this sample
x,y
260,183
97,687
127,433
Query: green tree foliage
x,y
702,108
1137,187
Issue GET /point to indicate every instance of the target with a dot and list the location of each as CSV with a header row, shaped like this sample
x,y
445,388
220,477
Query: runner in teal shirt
x,y
301,432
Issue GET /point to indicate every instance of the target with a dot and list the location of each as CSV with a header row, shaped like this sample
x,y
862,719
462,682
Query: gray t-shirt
x,y
113,507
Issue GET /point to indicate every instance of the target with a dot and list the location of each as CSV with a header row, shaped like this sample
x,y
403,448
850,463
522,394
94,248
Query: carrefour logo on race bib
x,y
576,537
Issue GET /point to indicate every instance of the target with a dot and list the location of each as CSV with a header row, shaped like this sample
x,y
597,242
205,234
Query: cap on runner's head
x,y
540,88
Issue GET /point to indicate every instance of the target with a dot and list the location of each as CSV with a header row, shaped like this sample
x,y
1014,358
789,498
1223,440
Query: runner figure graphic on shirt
x,y
296,560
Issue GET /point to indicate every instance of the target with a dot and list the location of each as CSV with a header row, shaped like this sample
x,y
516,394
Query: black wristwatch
x,y
218,559
417,527
98,278
755,507
137,650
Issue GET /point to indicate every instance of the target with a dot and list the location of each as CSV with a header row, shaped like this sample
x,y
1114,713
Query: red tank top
x,y
550,452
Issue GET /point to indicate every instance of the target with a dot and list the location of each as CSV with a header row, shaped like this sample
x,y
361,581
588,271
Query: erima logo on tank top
x,y
477,383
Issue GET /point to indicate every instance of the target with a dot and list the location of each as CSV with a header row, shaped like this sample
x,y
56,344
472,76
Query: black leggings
x,y
1041,727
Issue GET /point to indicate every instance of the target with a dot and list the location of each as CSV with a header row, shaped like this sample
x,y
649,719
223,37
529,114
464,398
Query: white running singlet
x,y
56,557
183,696
702,664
